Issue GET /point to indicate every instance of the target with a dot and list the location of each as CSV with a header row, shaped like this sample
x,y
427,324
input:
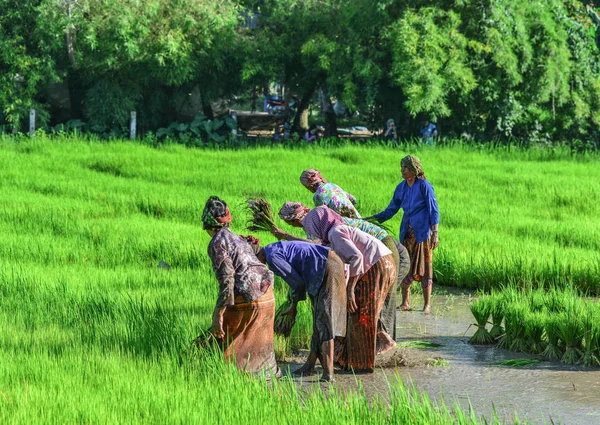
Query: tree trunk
x,y
206,106
301,119
327,109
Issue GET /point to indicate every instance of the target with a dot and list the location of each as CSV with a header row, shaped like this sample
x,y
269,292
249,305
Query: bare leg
x,y
327,360
384,342
405,306
427,296
308,368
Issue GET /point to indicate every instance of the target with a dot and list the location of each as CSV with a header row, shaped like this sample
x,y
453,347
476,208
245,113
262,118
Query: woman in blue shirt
x,y
419,228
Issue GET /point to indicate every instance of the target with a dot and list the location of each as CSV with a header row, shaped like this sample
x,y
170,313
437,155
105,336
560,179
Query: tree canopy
x,y
485,69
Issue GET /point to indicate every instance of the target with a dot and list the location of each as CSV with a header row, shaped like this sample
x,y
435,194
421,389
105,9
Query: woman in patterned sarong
x,y
372,273
245,309
294,212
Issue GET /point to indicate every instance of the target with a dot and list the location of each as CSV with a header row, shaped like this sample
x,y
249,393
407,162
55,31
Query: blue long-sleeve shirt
x,y
419,205
300,264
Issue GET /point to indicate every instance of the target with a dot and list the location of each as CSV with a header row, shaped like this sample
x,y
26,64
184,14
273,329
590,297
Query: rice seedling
x,y
261,215
570,332
551,328
534,327
517,362
481,310
419,343
498,307
515,336
591,337
284,322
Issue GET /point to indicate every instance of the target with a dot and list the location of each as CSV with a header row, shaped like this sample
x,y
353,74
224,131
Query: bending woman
x,y
419,228
294,212
329,194
318,271
245,308
371,275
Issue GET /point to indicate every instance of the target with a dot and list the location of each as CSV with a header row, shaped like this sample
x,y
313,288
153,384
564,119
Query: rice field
x,y
93,331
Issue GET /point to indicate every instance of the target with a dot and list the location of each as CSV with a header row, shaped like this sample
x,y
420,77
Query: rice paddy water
x,y
94,331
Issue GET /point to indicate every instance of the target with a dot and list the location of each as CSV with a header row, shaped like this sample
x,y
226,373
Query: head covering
x,y
293,211
319,221
388,122
311,177
212,222
414,165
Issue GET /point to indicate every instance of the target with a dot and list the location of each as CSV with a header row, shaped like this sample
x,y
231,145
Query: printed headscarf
x,y
319,221
311,177
293,211
414,165
210,222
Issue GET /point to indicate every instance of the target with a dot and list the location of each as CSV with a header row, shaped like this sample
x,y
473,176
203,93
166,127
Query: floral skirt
x,y
421,260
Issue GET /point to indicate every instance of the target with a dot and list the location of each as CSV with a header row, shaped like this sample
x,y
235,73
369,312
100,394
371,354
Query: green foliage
x,y
210,131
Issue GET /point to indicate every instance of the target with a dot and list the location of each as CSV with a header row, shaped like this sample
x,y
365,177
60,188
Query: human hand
x,y
292,311
434,240
278,233
217,327
352,307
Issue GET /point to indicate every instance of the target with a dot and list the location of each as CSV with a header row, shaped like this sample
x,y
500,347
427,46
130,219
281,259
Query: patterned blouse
x,y
370,228
334,197
238,270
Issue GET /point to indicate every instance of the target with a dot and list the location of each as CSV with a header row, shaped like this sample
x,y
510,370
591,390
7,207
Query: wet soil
x,y
546,392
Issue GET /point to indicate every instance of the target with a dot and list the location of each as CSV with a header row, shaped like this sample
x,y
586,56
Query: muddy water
x,y
547,392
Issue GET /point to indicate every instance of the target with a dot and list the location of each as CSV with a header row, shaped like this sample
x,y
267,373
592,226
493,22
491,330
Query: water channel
x,y
542,393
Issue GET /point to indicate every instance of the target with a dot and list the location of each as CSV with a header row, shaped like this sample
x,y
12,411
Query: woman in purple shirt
x,y
419,228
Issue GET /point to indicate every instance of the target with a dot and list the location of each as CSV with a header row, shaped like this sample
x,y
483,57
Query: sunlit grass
x,y
94,331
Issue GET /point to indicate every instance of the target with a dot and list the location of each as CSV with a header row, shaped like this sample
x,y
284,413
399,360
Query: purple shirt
x,y
300,264
419,205
238,270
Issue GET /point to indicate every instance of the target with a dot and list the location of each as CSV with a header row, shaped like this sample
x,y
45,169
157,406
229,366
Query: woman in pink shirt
x,y
371,275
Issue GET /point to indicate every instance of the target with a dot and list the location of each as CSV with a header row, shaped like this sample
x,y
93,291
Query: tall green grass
x,y
93,331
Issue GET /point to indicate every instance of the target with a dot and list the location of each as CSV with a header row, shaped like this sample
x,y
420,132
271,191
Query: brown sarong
x,y
249,334
329,305
421,260
370,292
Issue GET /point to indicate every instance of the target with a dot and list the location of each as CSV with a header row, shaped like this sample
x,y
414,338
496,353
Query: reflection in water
x,y
547,392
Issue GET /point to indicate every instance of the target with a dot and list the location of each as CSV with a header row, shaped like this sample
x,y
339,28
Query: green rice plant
x,y
284,322
552,324
419,343
517,362
570,332
261,215
534,327
515,336
498,307
481,309
537,300
591,337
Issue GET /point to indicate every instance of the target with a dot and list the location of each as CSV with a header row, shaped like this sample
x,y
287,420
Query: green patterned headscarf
x,y
414,165
211,221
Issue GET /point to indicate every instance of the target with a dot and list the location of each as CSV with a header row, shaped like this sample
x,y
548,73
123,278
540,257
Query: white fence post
x,y
32,122
234,130
132,125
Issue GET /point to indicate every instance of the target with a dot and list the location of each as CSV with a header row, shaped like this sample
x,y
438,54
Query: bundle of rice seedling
x,y
551,324
517,362
262,218
570,331
481,310
591,337
514,338
497,317
283,322
534,327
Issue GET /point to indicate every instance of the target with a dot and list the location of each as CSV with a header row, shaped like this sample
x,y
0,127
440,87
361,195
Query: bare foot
x,y
405,307
306,369
427,309
326,378
384,343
